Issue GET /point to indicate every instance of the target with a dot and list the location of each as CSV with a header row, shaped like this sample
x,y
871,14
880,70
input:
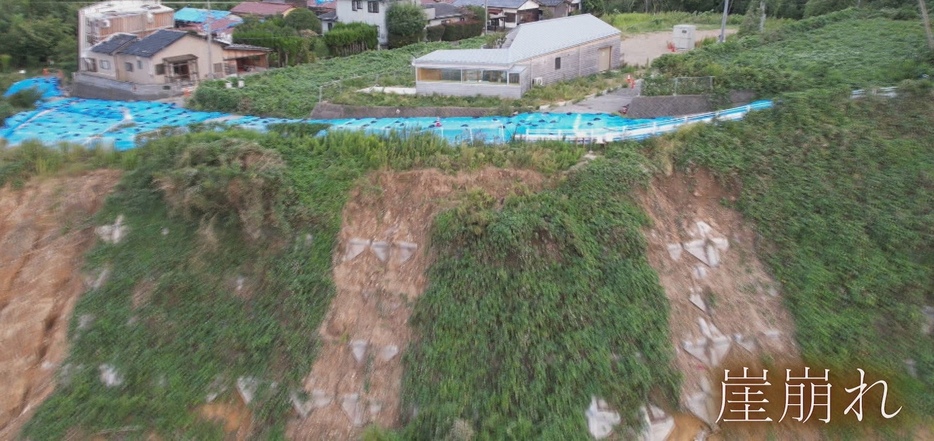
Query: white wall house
x,y
372,12
539,53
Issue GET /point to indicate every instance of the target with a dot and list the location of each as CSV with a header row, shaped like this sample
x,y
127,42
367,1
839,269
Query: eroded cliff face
x,y
45,230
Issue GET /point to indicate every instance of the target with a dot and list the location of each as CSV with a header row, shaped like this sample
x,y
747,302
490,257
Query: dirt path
x,y
641,49
44,233
379,270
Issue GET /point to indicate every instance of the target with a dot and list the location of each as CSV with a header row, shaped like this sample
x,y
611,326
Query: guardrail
x,y
888,92
641,131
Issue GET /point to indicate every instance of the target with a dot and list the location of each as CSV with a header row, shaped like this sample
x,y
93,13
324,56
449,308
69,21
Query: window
x,y
450,75
218,68
105,65
90,64
513,78
510,17
372,6
356,4
330,25
557,63
128,66
160,69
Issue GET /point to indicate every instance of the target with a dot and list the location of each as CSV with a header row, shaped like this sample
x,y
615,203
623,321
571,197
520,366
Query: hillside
x,y
288,285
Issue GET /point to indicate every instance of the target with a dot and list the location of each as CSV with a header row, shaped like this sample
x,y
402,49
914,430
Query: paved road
x,y
612,102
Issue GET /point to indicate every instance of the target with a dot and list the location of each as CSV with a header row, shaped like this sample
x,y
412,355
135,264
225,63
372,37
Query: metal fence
x,y
641,131
332,89
655,86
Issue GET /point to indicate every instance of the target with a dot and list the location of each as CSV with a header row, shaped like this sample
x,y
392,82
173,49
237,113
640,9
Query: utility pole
x,y
210,43
486,15
762,17
927,23
726,10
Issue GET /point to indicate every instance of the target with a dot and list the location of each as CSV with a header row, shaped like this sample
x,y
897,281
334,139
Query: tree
x,y
405,23
302,19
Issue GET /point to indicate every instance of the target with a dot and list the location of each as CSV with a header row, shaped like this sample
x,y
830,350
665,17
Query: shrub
x,y
351,38
26,98
302,19
405,23
462,30
434,33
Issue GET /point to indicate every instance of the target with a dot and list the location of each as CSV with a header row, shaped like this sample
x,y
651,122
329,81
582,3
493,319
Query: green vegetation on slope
x,y
203,210
537,305
847,48
293,92
842,191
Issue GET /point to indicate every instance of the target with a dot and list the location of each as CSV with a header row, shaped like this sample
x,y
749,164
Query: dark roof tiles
x,y
113,44
151,45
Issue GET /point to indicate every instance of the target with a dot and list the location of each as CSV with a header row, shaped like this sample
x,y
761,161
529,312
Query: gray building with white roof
x,y
537,53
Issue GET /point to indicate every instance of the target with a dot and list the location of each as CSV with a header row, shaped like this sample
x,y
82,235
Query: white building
x,y
372,12
137,17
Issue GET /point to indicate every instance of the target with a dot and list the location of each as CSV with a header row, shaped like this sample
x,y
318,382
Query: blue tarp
x,y
118,123
48,86
195,15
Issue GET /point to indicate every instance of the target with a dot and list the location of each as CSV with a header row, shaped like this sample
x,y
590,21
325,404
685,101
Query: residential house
x,y
160,65
328,19
219,23
262,9
538,53
505,14
442,13
99,21
558,8
372,12
326,10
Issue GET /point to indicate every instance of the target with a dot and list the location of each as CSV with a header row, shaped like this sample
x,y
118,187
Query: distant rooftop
x,y
122,8
195,15
264,9
507,4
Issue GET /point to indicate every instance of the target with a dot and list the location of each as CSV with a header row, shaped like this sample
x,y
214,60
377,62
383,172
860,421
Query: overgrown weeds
x,y
536,305
32,158
841,190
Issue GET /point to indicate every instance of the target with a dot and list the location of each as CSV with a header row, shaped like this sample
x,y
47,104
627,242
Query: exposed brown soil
x,y
374,298
44,233
741,297
235,417
641,49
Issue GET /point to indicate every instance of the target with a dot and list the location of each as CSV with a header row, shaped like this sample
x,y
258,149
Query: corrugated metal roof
x,y
151,45
466,57
113,44
530,40
550,2
195,15
256,8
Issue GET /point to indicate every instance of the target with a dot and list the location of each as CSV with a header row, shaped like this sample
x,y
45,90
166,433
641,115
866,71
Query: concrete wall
x,y
89,86
468,89
678,105
336,111
576,62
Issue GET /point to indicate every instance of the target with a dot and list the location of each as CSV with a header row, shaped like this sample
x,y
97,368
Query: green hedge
x,y
462,30
351,38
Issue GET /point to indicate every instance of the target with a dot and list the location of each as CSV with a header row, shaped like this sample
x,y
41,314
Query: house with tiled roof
x,y
558,8
442,13
505,14
538,53
160,64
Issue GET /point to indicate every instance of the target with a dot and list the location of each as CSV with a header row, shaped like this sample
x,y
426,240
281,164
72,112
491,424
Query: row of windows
x,y
371,6
92,65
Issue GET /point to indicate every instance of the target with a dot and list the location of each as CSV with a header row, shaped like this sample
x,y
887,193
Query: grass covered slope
x,y
225,272
292,92
842,193
535,306
854,48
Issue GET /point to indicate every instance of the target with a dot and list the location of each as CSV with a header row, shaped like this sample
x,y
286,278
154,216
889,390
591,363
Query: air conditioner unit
x,y
105,23
538,81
